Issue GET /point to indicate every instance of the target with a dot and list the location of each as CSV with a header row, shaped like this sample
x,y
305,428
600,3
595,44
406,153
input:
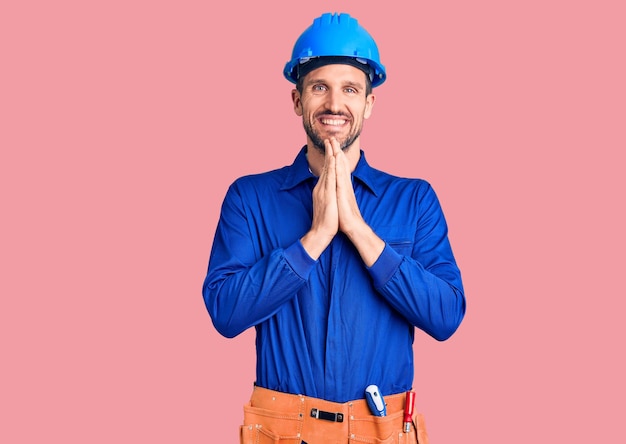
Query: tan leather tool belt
x,y
281,418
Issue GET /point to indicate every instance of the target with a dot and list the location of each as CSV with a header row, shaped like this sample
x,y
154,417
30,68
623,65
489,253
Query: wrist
x,y
315,243
367,243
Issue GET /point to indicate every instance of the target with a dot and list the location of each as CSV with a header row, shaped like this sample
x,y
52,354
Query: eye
x,y
318,88
350,90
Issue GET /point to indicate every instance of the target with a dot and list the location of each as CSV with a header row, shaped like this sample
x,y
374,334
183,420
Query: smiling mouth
x,y
333,122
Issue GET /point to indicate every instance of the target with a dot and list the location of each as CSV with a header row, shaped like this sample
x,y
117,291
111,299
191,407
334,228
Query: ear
x,y
297,102
369,105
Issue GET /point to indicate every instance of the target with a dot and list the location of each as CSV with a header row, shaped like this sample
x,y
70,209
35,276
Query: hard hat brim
x,y
295,69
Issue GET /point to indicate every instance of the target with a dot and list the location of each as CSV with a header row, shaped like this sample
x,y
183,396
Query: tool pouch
x,y
267,427
419,428
387,430
263,426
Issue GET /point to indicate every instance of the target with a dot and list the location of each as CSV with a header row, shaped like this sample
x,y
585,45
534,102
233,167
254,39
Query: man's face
x,y
333,104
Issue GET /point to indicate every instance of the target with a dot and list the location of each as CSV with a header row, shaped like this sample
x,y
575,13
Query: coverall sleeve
x,y
425,286
243,288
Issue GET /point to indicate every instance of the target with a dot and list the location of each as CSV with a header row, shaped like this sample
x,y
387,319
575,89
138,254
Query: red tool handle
x,y
408,410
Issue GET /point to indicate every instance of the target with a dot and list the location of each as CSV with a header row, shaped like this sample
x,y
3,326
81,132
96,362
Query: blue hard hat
x,y
335,36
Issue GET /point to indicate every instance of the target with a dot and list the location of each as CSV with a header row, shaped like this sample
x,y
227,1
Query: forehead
x,y
339,74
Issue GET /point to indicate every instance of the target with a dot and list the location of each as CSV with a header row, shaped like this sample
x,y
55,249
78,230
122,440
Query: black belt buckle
x,y
327,416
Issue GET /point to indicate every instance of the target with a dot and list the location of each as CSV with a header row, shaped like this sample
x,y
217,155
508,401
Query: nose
x,y
334,101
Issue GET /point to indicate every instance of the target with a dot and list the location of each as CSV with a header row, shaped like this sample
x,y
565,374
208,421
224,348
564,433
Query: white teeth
x,y
333,122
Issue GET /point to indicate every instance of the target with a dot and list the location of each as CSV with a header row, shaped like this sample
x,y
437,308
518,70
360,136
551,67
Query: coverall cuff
x,y
299,260
385,266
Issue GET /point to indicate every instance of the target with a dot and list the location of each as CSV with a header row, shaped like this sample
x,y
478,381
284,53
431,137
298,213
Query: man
x,y
333,262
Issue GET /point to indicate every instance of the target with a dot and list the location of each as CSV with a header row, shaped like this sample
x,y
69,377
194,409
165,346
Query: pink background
x,y
123,123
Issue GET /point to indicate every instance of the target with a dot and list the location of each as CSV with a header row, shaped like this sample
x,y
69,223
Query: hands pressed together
x,y
335,209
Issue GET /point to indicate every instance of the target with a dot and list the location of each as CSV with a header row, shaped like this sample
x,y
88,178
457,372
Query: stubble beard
x,y
318,142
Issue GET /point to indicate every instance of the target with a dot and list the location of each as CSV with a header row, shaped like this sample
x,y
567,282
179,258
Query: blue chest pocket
x,y
399,237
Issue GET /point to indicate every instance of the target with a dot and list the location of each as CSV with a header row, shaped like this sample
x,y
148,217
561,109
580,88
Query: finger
x,y
342,166
341,161
329,163
328,148
331,173
336,148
